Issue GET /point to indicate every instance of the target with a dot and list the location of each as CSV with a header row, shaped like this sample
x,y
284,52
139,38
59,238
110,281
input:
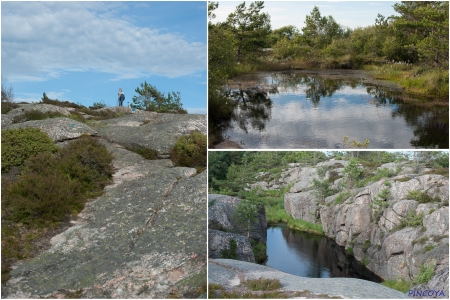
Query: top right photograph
x,y
328,75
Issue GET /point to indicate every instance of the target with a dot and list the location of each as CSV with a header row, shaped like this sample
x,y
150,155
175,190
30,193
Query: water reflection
x,y
311,256
297,110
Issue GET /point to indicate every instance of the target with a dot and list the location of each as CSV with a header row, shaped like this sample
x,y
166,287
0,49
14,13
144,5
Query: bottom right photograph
x,y
328,224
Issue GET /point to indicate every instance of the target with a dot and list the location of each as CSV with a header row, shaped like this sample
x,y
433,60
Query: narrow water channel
x,y
312,256
313,110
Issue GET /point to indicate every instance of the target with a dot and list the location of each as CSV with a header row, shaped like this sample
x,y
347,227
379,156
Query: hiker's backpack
x,y
122,97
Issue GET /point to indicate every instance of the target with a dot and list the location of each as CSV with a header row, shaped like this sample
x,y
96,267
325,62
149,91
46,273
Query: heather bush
x,y
35,115
53,186
190,151
20,144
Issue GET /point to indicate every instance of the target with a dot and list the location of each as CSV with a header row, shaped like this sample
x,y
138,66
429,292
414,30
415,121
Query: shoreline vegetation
x,y
410,50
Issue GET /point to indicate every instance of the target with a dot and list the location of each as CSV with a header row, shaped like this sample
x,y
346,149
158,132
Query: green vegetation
x,y
149,98
51,187
262,284
411,220
232,252
146,153
366,246
410,48
425,274
98,105
246,213
428,248
20,144
190,151
422,197
399,285
35,115
342,197
8,99
47,100
259,251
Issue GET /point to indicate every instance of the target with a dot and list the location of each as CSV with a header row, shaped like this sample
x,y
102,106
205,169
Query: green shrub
x,y
422,197
411,220
20,144
262,284
425,274
8,106
365,261
342,197
54,186
36,115
259,251
366,246
97,105
56,102
190,151
232,252
146,153
428,248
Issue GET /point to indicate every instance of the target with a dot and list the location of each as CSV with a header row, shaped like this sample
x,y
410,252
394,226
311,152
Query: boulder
x,y
221,216
220,240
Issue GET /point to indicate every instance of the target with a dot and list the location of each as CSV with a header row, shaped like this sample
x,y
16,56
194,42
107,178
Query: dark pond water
x,y
299,110
311,256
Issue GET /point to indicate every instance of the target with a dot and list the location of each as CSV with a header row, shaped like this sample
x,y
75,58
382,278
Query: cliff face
x,y
144,237
223,226
384,227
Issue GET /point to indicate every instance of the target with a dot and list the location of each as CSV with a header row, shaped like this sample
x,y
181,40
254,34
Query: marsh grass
x,y
420,80
399,285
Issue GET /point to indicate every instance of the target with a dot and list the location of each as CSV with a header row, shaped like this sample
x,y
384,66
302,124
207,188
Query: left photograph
x,y
104,149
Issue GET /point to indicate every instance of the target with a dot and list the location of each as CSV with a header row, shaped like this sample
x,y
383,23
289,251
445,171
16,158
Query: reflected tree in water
x,y
253,109
430,122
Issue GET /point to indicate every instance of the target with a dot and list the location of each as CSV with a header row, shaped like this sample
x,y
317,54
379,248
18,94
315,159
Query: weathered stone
x,y
220,240
222,216
58,129
160,134
301,206
39,107
305,179
437,222
260,184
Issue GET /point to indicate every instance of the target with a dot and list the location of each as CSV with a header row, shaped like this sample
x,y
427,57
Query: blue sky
x,y
84,52
283,13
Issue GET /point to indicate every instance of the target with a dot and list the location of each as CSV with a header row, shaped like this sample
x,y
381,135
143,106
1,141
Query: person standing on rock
x,y
121,97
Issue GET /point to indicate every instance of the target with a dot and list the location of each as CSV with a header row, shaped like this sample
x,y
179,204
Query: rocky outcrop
x,y
58,129
302,206
44,108
156,131
375,222
221,216
230,273
373,233
145,237
223,226
218,241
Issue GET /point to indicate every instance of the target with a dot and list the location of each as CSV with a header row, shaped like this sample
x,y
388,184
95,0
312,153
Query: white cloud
x,y
42,39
